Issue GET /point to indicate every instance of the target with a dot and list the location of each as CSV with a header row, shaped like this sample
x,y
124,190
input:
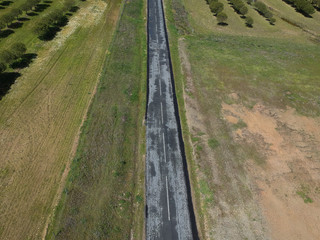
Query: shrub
x,y
263,9
304,7
216,7
16,12
41,27
272,21
8,18
249,21
6,56
18,49
243,10
222,17
68,4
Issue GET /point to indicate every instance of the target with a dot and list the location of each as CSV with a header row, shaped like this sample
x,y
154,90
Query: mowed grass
x,y
103,197
41,116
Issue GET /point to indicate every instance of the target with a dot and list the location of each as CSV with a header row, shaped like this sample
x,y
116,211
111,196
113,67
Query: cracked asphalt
x,y
167,209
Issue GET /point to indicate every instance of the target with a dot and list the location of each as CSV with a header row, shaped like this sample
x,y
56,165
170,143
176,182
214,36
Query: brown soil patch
x,y
230,214
288,182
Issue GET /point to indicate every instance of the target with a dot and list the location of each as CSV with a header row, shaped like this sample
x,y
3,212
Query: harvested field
x,y
41,117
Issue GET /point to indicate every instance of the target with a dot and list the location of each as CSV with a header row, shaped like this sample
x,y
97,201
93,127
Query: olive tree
x,y
222,17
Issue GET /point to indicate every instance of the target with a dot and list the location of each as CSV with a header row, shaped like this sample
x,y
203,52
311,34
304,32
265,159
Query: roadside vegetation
x,y
104,196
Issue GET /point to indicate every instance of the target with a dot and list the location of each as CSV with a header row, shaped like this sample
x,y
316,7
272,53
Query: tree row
x,y
216,8
240,8
48,25
9,17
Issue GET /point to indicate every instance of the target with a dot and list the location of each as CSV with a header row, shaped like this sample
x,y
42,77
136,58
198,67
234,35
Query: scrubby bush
x,y
272,20
16,12
6,56
263,10
304,6
41,27
216,7
239,7
29,5
8,18
316,3
222,17
249,21
68,4
18,49
243,10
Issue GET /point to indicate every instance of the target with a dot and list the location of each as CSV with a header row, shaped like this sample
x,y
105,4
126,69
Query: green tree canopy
x,y
222,17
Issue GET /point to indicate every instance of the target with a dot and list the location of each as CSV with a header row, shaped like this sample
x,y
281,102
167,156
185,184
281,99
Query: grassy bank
x,y
104,195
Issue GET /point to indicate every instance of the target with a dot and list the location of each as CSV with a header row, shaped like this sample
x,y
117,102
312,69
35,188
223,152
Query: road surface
x,y
169,213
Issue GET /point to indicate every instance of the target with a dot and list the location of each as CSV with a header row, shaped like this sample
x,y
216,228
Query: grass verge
x,y
103,197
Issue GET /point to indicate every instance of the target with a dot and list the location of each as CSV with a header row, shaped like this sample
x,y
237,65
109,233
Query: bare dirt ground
x,y
288,182
228,207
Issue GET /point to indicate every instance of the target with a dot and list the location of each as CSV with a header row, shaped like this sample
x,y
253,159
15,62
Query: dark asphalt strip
x,y
156,220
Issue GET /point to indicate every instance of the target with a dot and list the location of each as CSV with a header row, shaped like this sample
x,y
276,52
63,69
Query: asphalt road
x,y
168,210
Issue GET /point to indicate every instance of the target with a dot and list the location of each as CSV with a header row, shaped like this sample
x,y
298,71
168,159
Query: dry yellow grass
x,y
41,116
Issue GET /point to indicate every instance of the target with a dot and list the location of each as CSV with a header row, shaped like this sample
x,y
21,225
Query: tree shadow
x,y
74,9
6,3
249,25
6,33
24,61
31,14
53,30
23,19
41,7
50,34
304,14
16,25
48,2
1,7
223,24
6,81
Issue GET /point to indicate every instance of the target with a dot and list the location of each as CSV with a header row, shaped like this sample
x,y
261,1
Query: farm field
x,y
42,114
250,114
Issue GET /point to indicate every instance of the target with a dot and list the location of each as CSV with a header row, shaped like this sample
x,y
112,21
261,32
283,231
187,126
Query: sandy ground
x,y
288,183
